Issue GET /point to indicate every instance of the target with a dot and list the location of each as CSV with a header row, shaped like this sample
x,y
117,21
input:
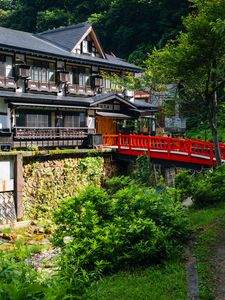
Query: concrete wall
x,y
7,199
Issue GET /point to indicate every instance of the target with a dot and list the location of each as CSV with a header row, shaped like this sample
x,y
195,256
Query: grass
x,y
168,281
212,220
163,282
199,218
204,249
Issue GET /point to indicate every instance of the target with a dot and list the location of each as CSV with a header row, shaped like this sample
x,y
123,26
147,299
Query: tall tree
x,y
196,62
124,26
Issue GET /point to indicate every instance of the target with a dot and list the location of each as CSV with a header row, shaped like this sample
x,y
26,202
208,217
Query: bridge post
x,y
148,146
168,147
130,143
211,154
119,142
189,149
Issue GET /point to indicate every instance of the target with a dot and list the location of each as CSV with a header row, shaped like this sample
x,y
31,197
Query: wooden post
x,y
18,185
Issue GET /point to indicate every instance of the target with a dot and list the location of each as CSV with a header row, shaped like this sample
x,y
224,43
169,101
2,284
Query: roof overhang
x,y
70,58
113,97
46,99
113,115
46,106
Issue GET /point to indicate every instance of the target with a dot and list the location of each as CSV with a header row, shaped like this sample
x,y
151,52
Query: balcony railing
x,y
50,133
42,86
74,89
7,83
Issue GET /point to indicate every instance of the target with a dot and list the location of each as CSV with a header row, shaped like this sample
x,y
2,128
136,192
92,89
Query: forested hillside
x,y
128,28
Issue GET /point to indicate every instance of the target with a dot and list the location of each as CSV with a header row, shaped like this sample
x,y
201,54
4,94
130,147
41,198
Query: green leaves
x,y
122,226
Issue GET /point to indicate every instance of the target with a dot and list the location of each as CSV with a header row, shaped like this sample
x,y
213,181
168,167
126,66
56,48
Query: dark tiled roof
x,y
38,44
25,40
144,105
66,37
40,98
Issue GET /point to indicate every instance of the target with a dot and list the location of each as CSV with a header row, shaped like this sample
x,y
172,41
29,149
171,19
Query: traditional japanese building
x,y
52,92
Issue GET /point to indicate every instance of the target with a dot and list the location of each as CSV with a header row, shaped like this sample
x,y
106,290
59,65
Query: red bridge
x,y
164,148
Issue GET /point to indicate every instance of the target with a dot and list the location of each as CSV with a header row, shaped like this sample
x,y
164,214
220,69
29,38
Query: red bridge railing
x,y
158,147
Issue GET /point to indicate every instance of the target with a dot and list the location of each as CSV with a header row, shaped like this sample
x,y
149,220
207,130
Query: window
x,y
83,119
37,120
90,46
84,76
32,118
85,46
51,74
41,71
6,66
9,68
2,65
75,76
75,119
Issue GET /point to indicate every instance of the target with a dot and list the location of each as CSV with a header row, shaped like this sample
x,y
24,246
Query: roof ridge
x,y
64,28
17,30
57,46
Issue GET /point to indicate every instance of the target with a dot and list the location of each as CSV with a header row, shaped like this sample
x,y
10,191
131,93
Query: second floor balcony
x,y
8,83
51,133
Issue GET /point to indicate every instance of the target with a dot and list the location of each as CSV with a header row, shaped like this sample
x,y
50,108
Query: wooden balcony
x,y
51,133
73,89
36,86
7,83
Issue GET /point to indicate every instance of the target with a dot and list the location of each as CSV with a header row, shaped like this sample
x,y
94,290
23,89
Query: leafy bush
x,y
117,228
19,281
185,184
210,187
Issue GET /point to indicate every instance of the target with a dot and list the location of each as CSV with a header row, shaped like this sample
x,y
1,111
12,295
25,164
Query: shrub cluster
x,y
206,188
210,187
119,226
184,183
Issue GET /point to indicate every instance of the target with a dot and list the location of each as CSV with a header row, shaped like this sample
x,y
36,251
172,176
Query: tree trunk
x,y
213,125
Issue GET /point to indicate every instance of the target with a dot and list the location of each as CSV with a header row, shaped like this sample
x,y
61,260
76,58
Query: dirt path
x,y
218,262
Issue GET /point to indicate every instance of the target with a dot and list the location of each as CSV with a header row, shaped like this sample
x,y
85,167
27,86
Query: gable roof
x,y
71,36
101,98
38,44
65,37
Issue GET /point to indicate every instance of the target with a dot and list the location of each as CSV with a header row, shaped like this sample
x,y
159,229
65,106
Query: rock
x,y
67,239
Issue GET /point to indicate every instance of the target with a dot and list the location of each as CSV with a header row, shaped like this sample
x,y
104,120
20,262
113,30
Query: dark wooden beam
x,y
19,183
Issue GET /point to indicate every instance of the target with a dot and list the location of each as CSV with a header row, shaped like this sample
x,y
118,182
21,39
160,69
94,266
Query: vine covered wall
x,y
51,179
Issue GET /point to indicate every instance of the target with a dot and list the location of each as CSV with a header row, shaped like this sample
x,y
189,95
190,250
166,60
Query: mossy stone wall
x,y
50,179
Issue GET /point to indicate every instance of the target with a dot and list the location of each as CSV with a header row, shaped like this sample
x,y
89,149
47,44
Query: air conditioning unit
x,y
22,71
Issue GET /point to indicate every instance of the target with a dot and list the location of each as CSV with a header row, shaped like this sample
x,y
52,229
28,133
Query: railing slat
x,y
190,150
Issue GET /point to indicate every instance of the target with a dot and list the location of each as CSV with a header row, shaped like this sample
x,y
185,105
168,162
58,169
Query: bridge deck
x,y
166,148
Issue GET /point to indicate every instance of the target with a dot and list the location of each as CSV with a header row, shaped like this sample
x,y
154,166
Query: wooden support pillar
x,y
19,185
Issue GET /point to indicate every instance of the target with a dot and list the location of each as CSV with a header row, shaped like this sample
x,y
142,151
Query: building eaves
x,y
144,105
48,99
27,43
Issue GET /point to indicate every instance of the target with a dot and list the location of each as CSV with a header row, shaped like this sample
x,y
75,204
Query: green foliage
x,y
195,60
49,181
162,282
206,188
116,228
210,188
159,20
143,172
17,280
184,183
